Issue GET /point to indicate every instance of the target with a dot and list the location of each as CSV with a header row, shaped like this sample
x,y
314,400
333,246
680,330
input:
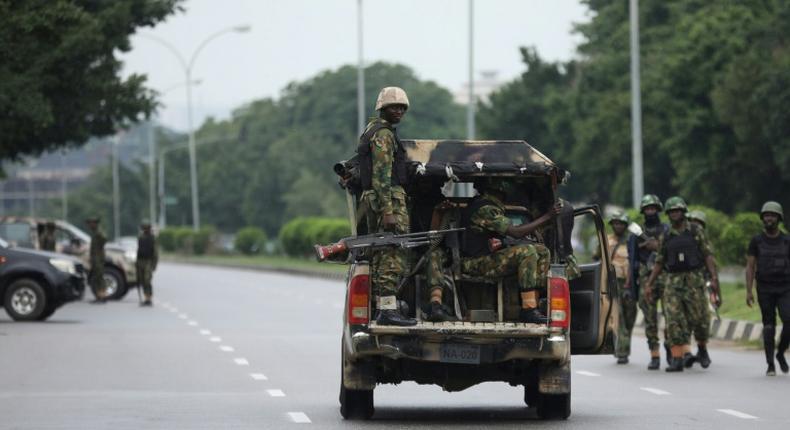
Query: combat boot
x,y
622,360
780,357
703,357
688,360
655,363
393,317
532,316
771,370
676,366
438,313
668,350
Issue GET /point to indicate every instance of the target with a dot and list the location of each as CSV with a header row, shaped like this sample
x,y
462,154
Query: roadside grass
x,y
734,303
259,261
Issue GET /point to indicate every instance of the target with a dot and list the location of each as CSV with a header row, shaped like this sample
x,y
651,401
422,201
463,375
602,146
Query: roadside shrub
x,y
298,236
167,239
250,240
183,239
736,236
202,239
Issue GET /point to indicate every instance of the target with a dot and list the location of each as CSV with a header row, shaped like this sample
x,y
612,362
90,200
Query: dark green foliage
x,y
167,239
297,237
250,240
59,76
736,236
202,240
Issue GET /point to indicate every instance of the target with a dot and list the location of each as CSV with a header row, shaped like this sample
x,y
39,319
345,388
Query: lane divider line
x,y
299,417
276,393
183,316
173,310
587,373
193,323
655,391
738,414
226,348
241,361
215,339
205,332
258,376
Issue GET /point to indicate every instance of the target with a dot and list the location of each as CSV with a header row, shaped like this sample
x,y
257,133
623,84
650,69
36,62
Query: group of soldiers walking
x,y
673,265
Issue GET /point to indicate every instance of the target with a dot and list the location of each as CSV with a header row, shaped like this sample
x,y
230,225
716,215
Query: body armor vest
x,y
475,243
398,175
145,247
645,255
683,253
773,261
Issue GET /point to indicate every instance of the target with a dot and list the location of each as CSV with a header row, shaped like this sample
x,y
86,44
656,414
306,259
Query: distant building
x,y
487,83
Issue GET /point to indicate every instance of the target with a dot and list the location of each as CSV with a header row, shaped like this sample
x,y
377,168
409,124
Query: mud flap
x,y
358,375
554,378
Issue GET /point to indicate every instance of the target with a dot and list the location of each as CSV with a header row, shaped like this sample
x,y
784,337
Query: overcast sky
x,y
295,39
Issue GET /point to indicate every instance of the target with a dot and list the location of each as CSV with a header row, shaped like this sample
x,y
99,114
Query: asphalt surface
x,y
227,349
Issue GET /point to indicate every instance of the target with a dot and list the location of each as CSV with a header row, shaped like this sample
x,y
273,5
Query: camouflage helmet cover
x,y
650,200
391,96
675,202
698,216
772,207
493,184
619,217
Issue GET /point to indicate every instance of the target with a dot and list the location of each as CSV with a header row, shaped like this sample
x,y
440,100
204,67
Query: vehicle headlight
x,y
64,265
130,255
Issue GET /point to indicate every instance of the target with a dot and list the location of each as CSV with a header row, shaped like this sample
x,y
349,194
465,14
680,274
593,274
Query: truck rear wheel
x,y
354,404
553,406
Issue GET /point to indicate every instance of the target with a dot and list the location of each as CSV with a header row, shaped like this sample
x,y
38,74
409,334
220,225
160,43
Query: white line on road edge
x,y
586,373
215,339
205,332
183,316
258,376
276,393
227,348
173,310
241,361
655,391
192,323
299,417
737,414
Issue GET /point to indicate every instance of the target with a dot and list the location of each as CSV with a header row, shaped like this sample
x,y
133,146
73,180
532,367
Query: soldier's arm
x,y
492,219
519,231
382,150
156,255
658,267
710,260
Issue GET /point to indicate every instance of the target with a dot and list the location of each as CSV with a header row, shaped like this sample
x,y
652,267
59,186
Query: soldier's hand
x,y
749,298
649,292
652,244
389,222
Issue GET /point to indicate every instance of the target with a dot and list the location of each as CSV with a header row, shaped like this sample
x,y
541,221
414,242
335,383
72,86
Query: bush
x,y
298,236
167,239
183,239
736,236
250,240
202,240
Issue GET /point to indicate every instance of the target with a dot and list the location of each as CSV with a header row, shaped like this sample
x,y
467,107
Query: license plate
x,y
463,354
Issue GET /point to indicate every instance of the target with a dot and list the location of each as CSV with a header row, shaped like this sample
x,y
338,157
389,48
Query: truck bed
x,y
461,328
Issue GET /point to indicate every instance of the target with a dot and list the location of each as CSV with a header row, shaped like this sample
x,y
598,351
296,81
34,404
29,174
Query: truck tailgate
x,y
459,328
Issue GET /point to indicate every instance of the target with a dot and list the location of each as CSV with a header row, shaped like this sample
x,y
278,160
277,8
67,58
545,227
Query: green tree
x,y
60,79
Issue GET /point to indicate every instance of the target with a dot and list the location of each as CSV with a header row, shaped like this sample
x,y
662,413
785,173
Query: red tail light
x,y
560,302
359,300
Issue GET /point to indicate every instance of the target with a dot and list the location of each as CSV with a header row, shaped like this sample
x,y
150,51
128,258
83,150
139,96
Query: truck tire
x,y
553,406
25,300
115,283
48,311
354,404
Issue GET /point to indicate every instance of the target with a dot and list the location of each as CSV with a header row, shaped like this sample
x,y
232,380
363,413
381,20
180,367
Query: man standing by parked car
x,y
96,258
147,259
768,261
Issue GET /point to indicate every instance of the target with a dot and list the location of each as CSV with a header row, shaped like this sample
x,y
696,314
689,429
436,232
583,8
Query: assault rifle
x,y
714,299
357,244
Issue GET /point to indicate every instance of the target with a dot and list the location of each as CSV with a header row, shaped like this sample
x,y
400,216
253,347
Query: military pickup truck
x,y
486,342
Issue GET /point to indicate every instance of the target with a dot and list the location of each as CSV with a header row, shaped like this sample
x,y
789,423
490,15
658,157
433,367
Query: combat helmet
x,y
675,202
619,216
650,200
391,96
773,207
698,216
493,184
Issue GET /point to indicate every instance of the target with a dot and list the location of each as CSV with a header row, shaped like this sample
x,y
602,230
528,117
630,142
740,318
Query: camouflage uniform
x,y
618,247
529,262
649,308
96,275
388,264
147,260
685,302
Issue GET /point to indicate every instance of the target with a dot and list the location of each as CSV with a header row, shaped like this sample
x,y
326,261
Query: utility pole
x,y
116,188
162,204
151,173
638,180
64,198
470,108
360,73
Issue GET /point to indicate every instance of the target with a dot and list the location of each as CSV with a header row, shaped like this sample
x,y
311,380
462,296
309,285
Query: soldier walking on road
x,y
642,256
96,274
382,164
147,259
768,261
684,252
618,255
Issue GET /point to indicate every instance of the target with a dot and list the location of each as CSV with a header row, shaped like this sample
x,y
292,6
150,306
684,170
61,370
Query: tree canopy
x,y
59,75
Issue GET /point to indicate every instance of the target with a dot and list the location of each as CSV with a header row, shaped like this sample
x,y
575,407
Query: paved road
x,y
239,349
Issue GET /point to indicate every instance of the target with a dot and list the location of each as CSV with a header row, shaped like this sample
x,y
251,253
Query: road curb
x,y
724,329
328,275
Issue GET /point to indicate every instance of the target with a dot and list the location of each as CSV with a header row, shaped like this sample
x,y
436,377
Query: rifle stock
x,y
378,240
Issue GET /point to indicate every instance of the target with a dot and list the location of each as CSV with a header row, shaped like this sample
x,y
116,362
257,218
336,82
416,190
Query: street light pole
x,y
116,188
638,180
151,174
187,66
360,73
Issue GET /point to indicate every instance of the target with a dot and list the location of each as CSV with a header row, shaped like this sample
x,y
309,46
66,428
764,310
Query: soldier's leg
x,y
650,311
767,302
147,287
677,323
434,273
389,265
626,322
699,317
783,304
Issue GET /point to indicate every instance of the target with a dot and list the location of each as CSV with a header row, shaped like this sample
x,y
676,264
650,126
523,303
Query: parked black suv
x,y
33,284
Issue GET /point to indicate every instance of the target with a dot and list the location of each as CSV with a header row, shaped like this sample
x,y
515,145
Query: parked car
x,y
33,284
119,265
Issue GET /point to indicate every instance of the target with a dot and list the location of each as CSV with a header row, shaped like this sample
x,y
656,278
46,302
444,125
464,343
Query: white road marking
x,y
738,414
299,417
215,339
205,332
276,393
227,348
173,310
587,373
193,323
337,305
166,304
183,316
258,376
241,361
655,391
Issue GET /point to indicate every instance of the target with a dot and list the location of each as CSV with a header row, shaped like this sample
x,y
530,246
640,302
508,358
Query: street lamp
x,y
187,66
